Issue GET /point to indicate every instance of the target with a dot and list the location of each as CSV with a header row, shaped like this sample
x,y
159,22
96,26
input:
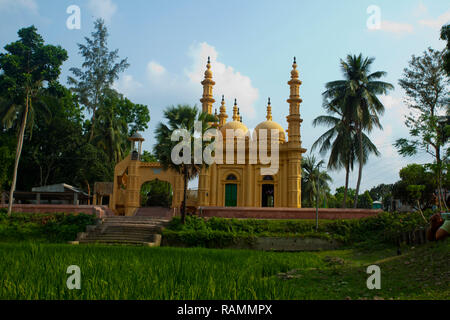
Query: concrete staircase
x,y
155,212
137,230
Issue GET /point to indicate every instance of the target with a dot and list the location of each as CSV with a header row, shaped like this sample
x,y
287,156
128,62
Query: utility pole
x,y
317,196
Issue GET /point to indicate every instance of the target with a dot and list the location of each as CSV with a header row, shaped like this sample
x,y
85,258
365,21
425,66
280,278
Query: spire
x,y
207,99
208,72
294,101
269,111
223,113
235,111
294,72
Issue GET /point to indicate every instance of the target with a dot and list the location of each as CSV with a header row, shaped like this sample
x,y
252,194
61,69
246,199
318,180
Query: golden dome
x,y
269,125
234,125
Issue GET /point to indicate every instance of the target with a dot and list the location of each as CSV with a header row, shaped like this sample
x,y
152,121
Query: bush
x,y
219,232
58,227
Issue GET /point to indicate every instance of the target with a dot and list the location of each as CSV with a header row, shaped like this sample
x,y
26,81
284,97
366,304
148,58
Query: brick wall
x,y
286,213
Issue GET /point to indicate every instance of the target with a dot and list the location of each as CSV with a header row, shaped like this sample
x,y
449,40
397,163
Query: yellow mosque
x,y
236,184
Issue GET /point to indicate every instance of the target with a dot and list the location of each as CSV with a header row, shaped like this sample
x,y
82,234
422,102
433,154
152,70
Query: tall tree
x,y
26,67
357,94
99,71
179,118
338,139
427,95
314,180
445,35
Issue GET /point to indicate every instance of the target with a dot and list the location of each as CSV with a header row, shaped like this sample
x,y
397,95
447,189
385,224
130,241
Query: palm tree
x,y
343,142
313,180
357,96
342,147
178,118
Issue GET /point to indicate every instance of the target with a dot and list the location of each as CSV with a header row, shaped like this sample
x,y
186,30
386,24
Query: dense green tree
x,y
98,72
383,193
445,35
427,95
340,195
416,175
7,146
117,119
26,67
179,118
357,95
365,201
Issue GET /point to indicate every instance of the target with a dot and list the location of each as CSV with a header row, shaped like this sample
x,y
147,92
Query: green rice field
x,y
38,271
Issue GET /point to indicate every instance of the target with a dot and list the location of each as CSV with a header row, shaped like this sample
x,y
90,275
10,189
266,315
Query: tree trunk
x,y
18,153
439,168
183,206
360,168
89,192
347,174
91,136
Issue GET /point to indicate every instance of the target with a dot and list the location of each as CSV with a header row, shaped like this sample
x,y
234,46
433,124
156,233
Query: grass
x,y
38,271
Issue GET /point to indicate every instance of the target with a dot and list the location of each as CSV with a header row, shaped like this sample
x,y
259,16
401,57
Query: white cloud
x,y
394,107
128,85
438,22
155,69
103,9
16,5
396,27
229,82
420,9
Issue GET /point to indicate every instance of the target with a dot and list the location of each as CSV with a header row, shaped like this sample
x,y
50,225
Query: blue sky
x,y
251,44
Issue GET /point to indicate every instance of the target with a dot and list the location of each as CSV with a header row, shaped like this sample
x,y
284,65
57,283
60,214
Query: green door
x,y
231,195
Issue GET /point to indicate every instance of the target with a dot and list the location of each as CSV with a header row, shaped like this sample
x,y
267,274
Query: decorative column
x,y
294,140
207,101
223,113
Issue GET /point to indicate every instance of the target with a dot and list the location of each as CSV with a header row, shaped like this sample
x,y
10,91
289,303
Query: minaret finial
x,y
235,111
223,112
269,111
295,60
209,60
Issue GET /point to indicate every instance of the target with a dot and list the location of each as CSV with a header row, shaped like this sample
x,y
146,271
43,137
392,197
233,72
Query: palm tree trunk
x,y
18,153
360,168
347,174
183,206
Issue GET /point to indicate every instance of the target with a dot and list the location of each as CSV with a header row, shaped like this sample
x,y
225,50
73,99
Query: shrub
x,y
219,232
58,227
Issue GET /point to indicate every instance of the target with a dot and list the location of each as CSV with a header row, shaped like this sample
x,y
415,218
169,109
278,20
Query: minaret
x,y
235,111
223,113
269,111
294,101
208,84
294,145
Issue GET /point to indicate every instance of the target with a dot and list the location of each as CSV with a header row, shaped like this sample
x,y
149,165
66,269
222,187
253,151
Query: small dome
x,y
234,125
136,137
269,125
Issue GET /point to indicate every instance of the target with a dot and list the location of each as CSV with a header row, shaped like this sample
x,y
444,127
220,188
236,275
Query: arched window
x,y
231,177
268,178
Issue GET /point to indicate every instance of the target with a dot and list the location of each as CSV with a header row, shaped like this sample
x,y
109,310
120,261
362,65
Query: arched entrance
x,y
268,192
156,193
